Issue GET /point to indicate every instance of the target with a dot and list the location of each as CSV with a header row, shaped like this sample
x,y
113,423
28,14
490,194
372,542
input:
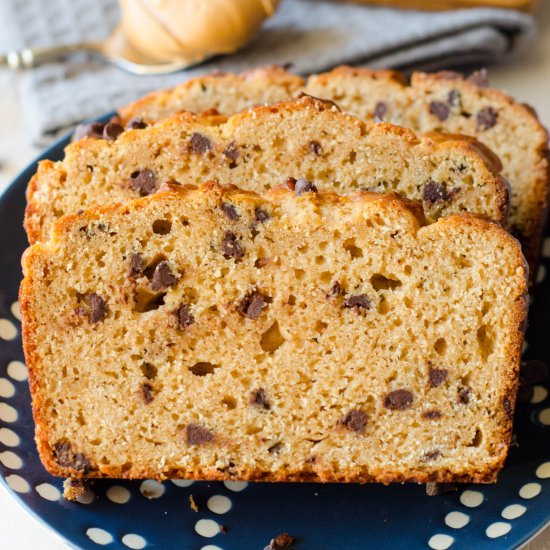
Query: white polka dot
x,y
440,542
18,484
513,511
211,547
219,504
498,529
49,492
539,395
544,417
9,438
8,331
18,371
99,536
86,498
11,460
530,490
182,482
541,274
471,499
151,489
16,311
236,486
543,471
7,389
131,540
119,494
456,520
207,528
7,413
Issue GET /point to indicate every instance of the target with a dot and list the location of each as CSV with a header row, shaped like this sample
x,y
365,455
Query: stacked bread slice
x,y
350,309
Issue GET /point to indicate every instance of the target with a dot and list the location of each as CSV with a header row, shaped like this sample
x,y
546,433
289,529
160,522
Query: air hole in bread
x,y
149,371
381,282
203,368
354,251
478,439
440,346
485,341
229,402
162,227
145,300
272,339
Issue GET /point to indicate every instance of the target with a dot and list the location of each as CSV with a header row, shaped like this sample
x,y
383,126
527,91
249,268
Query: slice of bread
x,y
442,101
212,333
301,138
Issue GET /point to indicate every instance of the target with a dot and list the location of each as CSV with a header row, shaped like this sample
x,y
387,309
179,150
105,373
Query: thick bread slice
x,y
212,333
300,138
442,101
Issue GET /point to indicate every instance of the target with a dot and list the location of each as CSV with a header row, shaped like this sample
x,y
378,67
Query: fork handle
x,y
31,57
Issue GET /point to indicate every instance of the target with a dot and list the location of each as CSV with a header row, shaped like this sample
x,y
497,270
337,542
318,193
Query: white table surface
x,y
527,78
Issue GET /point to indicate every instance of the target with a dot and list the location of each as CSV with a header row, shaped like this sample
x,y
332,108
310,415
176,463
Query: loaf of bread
x,y
301,138
443,101
211,333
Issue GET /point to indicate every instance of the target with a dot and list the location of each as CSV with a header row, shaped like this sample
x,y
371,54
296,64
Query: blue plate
x,y
240,516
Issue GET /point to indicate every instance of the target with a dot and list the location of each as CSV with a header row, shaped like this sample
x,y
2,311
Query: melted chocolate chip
x,y
143,182
440,110
464,396
252,305
231,247
136,123
97,308
315,148
454,98
112,130
230,211
434,489
431,415
258,398
355,420
281,542
358,301
380,111
275,449
486,118
163,277
147,393
91,130
335,290
508,407
398,400
303,186
195,434
184,316
199,144
435,192
534,371
261,215
232,153
136,264
431,455
437,376
65,457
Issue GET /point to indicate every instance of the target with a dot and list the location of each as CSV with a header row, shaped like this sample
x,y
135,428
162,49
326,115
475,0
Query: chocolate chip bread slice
x,y
442,101
301,138
212,333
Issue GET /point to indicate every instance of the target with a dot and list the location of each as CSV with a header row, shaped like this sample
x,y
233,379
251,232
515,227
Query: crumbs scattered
x,y
193,504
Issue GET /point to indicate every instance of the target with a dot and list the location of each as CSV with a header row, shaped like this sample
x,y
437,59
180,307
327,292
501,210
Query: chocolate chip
x,y
454,98
479,78
398,400
184,316
65,457
91,130
335,290
533,371
486,118
231,247
508,407
199,144
435,192
437,376
315,148
147,393
439,110
261,215
434,489
355,420
430,455
230,211
431,415
163,277
252,305
136,123
195,434
380,111
280,542
464,396
357,301
136,264
232,153
97,308
143,182
258,398
112,130
304,186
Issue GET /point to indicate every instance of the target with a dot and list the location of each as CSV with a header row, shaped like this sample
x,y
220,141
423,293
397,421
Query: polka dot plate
x,y
240,516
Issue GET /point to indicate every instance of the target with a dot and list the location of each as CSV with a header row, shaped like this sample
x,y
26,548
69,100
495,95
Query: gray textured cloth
x,y
313,35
